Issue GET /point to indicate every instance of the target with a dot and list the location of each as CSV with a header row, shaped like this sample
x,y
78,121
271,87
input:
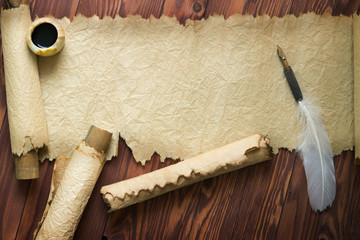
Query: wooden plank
x,y
230,7
141,7
298,221
58,9
120,7
280,8
263,197
89,8
212,208
2,85
275,195
12,191
346,7
342,220
185,9
320,6
118,223
226,8
216,213
36,201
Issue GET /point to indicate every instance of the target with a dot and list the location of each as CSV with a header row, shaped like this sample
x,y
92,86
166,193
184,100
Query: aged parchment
x,y
68,198
71,186
183,90
231,157
27,121
357,86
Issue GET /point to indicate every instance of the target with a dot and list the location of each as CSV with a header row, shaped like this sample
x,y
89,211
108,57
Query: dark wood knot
x,y
197,7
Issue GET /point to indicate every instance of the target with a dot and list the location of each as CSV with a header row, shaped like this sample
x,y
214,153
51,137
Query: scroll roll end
x,y
98,138
27,166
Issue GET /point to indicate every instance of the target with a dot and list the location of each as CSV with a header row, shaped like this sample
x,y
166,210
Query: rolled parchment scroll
x,y
66,205
225,159
27,121
357,87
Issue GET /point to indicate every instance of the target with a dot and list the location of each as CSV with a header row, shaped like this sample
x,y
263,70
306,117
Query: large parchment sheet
x,y
357,86
184,90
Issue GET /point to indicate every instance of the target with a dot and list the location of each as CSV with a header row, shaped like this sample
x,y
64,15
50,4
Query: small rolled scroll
x,y
67,203
228,158
27,120
357,87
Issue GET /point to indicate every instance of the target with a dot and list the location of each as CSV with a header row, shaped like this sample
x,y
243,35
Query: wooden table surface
x,y
266,201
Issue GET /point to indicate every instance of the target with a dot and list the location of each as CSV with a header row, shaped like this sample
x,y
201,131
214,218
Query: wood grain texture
x,y
280,8
35,201
265,201
346,7
298,221
2,85
211,209
275,194
208,209
89,8
58,9
185,9
13,192
143,8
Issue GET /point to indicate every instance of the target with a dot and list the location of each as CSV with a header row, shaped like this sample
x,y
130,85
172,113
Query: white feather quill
x,y
316,152
315,148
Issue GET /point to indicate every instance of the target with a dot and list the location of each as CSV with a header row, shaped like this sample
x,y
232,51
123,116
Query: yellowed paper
x,y
27,121
357,86
228,158
60,166
68,201
183,90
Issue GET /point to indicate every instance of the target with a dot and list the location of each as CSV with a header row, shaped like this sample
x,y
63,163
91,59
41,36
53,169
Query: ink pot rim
x,y
56,47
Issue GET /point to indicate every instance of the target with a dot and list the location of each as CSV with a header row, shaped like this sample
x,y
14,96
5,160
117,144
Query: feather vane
x,y
317,158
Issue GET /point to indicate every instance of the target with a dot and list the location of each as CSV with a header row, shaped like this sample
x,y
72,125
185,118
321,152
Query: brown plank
x,y
342,220
346,7
121,7
144,8
2,86
215,215
212,208
96,208
230,7
185,9
262,198
298,221
118,222
275,195
12,191
225,8
89,8
280,8
58,9
36,201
